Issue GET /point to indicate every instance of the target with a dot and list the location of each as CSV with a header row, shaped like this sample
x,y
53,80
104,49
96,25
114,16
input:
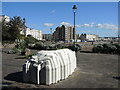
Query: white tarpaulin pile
x,y
47,67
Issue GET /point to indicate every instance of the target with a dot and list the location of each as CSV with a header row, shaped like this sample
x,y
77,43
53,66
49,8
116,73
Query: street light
x,y
74,11
51,34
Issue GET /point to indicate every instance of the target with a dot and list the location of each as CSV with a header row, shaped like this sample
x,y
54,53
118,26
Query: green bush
x,y
107,48
22,45
75,47
97,48
52,47
14,51
30,39
39,47
60,46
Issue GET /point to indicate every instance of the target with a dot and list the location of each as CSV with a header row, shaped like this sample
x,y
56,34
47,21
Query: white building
x,y
89,37
47,36
7,18
33,32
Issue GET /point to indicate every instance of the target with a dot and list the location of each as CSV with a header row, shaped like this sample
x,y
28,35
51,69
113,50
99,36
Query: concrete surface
x,y
93,71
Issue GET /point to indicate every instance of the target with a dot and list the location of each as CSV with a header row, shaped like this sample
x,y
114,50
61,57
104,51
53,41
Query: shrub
x,y
38,47
14,51
22,45
97,49
107,48
60,46
75,47
30,39
52,47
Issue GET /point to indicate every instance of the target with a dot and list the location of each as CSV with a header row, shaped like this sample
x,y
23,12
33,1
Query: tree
x,y
5,30
11,30
16,25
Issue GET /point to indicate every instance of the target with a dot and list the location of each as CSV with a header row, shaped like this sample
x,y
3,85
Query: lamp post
x,y
51,34
74,11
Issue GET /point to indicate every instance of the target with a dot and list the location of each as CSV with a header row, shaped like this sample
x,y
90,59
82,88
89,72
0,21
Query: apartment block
x,y
63,33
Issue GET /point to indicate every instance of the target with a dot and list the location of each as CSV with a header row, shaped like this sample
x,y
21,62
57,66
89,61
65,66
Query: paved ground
x,y
93,71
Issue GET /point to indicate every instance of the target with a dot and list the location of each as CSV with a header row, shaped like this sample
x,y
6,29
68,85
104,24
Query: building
x,y
33,32
7,18
47,37
108,39
24,31
88,37
78,36
63,33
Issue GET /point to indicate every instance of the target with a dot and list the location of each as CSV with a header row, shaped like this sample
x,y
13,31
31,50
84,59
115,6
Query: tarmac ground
x,y
93,70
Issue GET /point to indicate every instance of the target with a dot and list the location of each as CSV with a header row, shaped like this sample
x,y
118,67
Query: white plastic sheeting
x,y
47,67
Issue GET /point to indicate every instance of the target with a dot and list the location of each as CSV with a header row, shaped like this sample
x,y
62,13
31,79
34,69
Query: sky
x,y
99,18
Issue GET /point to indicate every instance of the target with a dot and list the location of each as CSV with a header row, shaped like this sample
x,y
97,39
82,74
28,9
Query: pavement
x,y
93,71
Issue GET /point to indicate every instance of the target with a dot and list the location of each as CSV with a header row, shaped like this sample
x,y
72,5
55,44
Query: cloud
x,y
103,26
48,24
53,11
78,26
88,24
84,31
107,26
69,24
94,25
65,23
33,25
46,29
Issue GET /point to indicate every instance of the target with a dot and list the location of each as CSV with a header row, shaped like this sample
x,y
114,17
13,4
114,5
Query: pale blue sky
x,y
99,18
